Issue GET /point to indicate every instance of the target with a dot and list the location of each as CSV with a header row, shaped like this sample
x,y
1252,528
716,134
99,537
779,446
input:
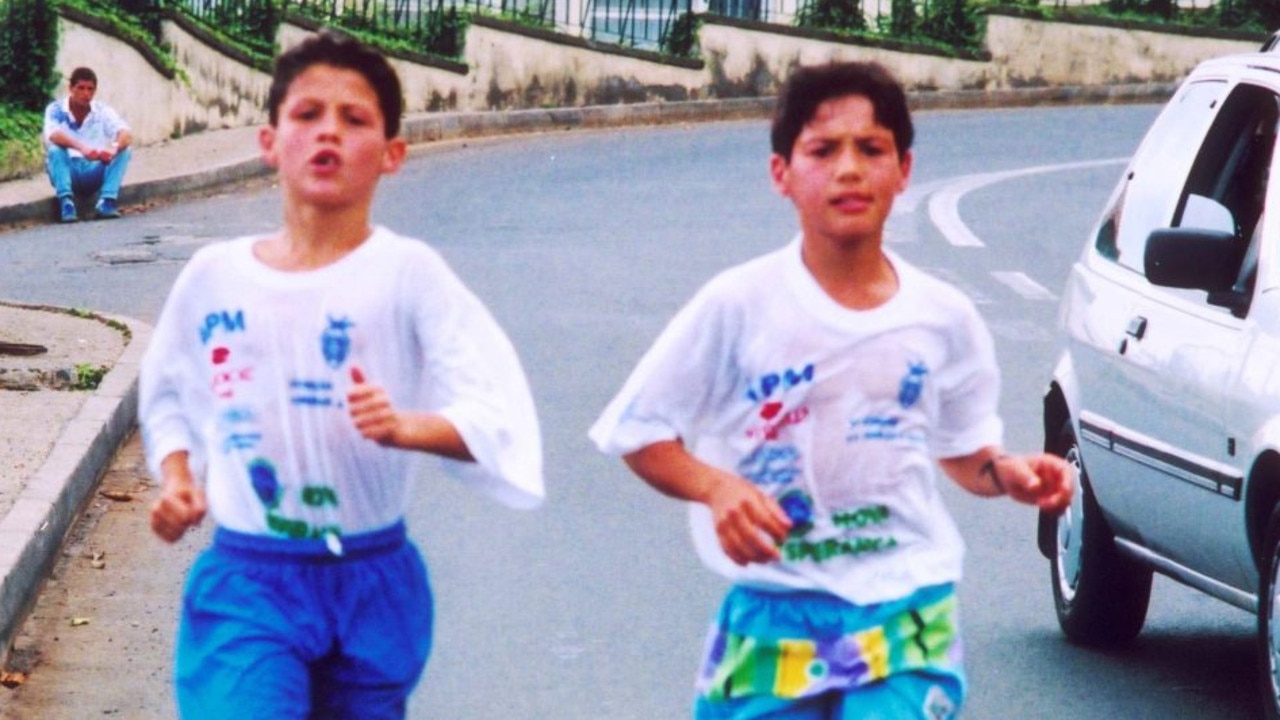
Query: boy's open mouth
x,y
326,159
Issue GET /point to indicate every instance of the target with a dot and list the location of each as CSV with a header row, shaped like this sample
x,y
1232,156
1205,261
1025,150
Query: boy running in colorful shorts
x,y
288,376
801,402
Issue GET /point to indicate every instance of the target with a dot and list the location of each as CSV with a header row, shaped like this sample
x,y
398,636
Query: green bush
x,y
1164,9
18,123
137,21
1261,15
445,32
248,24
681,37
832,15
951,22
441,33
28,53
903,19
20,152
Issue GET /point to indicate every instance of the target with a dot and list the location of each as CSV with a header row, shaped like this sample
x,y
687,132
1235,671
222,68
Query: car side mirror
x,y
1193,258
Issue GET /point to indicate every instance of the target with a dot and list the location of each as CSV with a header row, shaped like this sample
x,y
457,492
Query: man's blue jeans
x,y
86,177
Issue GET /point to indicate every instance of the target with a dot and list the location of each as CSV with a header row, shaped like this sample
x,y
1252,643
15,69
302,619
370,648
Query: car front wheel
x,y
1100,595
1268,628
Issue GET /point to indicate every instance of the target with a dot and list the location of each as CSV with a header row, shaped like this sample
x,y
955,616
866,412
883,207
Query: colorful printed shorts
x,y
772,650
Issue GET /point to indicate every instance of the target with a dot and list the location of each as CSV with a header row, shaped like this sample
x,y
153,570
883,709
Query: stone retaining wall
x,y
1033,53
750,59
510,67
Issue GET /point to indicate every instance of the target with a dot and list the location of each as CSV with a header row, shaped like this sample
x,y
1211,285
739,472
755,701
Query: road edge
x,y
34,530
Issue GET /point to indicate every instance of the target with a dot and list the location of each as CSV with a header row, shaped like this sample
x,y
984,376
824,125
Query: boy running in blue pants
x,y
799,402
287,378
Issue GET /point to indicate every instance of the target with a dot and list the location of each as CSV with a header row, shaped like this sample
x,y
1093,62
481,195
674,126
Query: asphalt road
x,y
584,244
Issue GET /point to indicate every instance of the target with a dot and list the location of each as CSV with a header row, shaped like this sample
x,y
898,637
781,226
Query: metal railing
x,y
633,23
664,25
436,26
743,9
252,23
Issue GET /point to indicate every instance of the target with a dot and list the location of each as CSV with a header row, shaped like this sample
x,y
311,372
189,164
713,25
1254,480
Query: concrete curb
x,y
34,529
44,210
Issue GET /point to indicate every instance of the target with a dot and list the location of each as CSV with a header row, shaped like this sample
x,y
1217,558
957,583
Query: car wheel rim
x,y
1070,528
1273,633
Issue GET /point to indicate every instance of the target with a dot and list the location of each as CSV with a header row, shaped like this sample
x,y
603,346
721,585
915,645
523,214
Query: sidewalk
x,y
55,444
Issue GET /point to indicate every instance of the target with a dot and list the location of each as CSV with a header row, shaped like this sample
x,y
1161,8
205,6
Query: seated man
x,y
87,148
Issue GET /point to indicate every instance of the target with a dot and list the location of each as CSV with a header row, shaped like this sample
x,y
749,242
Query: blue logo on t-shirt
x,y
912,384
799,509
335,343
265,484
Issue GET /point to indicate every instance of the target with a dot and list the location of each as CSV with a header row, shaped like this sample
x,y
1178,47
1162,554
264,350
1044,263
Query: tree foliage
x,y
950,22
28,53
1259,14
681,37
832,14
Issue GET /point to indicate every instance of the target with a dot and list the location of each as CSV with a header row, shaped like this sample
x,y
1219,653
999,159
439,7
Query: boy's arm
x,y
173,453
378,420
181,504
121,140
1039,479
749,523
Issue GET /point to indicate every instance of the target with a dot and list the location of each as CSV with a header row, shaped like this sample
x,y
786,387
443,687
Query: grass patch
x,y
89,376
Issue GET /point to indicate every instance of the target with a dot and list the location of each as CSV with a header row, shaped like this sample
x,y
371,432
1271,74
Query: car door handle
x,y
1137,329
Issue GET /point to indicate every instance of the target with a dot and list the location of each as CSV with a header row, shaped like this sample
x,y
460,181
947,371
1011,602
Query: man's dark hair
x,y
810,86
340,51
81,74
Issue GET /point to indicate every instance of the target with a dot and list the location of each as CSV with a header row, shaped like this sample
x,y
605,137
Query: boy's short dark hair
x,y
810,86
330,48
81,74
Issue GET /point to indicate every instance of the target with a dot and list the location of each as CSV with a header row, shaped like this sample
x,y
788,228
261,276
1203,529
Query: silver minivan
x,y
1166,395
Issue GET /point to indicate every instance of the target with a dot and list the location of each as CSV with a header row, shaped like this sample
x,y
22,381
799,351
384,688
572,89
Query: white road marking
x,y
944,203
910,199
1023,285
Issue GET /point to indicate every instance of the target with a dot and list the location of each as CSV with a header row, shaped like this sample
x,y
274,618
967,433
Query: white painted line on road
x,y
910,199
944,204
1022,284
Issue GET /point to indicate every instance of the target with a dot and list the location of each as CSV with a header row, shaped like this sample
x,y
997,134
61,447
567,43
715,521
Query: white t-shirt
x,y
99,128
249,367
839,414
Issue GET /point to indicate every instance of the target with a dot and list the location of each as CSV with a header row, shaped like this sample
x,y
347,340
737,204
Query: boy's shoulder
x,y
748,275
56,111
403,252
395,242
927,285
934,298
216,253
760,278
383,243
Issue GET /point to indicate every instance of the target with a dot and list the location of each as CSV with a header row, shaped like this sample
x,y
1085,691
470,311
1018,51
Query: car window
x,y
1206,213
1249,267
1226,185
1149,194
1231,166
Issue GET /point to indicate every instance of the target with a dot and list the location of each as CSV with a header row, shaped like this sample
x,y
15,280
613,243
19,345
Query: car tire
x,y
1100,595
1268,642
